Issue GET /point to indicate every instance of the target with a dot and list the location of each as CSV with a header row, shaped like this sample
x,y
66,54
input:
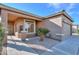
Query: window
x,y
29,27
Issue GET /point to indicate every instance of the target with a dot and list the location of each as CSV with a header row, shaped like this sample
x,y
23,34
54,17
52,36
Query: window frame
x,y
34,23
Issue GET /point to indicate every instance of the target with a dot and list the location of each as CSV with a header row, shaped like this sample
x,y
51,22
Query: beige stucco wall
x,y
54,25
40,24
17,24
24,35
11,28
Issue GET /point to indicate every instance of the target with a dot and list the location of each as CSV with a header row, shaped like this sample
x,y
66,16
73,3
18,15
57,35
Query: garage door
x,y
67,29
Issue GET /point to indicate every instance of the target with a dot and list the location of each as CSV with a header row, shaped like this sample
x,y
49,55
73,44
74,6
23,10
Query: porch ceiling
x,y
12,17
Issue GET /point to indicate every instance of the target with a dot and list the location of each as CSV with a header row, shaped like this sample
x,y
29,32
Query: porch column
x,y
4,21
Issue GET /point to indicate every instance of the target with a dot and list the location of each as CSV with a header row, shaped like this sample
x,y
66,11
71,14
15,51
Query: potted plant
x,y
1,36
42,32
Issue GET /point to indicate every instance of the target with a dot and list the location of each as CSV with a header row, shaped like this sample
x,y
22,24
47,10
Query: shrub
x,y
42,31
1,34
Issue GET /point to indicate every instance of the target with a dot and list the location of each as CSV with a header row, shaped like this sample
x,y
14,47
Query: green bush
x,y
1,34
42,31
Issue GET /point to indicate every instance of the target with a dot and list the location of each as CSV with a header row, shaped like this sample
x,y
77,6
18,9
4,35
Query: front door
x,y
11,28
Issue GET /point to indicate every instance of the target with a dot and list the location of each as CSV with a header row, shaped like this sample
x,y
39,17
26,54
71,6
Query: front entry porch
x,y
21,27
18,24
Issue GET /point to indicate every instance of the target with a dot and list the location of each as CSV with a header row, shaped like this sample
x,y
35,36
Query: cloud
x,y
55,5
60,6
71,6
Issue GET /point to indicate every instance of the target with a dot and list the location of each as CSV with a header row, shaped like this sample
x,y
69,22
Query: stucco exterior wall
x,y
11,28
17,24
24,35
54,25
40,24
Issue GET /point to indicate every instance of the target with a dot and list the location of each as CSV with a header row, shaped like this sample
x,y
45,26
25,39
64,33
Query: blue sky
x,y
44,9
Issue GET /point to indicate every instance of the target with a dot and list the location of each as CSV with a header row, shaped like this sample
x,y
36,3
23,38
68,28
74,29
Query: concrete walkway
x,y
31,46
18,48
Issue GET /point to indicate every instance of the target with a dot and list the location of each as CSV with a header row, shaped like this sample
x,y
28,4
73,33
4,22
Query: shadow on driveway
x,y
32,45
25,48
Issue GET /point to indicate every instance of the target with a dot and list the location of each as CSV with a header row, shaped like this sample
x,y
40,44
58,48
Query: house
x,y
59,25
75,27
23,24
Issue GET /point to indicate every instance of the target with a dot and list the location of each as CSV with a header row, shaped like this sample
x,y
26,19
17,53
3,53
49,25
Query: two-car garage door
x,y
66,29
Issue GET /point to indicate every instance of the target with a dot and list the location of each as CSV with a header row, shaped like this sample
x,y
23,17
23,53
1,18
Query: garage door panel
x,y
66,28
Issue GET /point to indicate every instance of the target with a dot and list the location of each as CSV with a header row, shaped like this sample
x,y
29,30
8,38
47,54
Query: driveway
x,y
70,46
31,46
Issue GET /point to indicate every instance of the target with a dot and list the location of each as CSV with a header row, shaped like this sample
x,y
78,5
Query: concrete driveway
x,y
70,46
31,46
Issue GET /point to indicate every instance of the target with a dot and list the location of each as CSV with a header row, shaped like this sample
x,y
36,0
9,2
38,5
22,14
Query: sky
x,y
45,9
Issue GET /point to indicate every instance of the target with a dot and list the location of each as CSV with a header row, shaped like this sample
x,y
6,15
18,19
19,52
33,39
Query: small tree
x,y
42,32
